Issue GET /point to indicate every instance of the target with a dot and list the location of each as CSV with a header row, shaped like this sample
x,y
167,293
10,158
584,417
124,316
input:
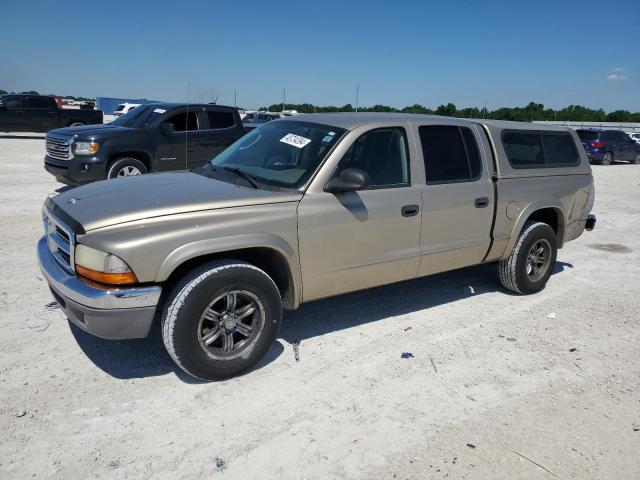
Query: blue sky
x,y
400,52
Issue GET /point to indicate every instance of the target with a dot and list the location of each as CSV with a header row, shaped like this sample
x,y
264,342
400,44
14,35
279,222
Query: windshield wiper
x,y
243,174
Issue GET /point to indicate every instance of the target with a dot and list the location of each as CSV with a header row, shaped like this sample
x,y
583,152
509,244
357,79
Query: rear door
x,y
613,144
458,197
174,149
41,113
217,131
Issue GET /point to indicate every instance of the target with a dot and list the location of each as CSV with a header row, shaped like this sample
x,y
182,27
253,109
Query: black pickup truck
x,y
153,137
39,113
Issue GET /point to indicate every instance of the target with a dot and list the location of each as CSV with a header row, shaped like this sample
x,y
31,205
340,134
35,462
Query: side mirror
x,y
167,128
350,180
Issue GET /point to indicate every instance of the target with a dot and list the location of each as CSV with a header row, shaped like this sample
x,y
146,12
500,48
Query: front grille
x,y
60,239
59,148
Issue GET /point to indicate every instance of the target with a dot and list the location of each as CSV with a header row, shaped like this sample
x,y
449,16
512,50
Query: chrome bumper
x,y
116,313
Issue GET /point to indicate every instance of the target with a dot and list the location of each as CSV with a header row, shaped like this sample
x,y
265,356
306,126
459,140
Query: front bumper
x,y
113,313
76,171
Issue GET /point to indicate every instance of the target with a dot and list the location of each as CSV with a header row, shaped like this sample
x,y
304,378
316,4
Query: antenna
x,y
235,98
186,127
357,95
284,96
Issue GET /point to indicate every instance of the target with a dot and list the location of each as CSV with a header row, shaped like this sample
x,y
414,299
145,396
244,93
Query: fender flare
x,y
524,216
210,246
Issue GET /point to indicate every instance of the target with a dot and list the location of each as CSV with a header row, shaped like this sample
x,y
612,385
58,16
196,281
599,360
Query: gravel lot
x,y
499,386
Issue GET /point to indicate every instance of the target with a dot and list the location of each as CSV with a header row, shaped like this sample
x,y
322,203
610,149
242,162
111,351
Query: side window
x,y
41,103
523,149
607,136
12,102
450,154
185,121
220,119
382,153
559,150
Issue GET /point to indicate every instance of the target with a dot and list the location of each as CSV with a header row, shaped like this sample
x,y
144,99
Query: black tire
x,y
120,166
193,298
514,271
636,159
607,159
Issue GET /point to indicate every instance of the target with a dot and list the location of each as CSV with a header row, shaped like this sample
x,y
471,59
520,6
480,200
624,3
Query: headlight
x,y
86,148
102,267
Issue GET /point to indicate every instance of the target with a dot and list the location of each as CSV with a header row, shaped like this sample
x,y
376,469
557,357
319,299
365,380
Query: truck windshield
x,y
140,117
281,153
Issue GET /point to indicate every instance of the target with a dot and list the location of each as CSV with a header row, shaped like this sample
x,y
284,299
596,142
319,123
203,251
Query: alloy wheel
x,y
538,260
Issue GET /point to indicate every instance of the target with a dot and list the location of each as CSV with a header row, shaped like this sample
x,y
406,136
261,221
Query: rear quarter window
x,y
587,135
526,149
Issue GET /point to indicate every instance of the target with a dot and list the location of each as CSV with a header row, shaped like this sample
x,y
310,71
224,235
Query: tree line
x,y
533,111
33,92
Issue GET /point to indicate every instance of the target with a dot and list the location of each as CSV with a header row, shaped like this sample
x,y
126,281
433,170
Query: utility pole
x,y
284,98
235,98
357,95
484,110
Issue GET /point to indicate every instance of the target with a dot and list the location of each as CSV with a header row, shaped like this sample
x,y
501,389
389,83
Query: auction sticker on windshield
x,y
295,140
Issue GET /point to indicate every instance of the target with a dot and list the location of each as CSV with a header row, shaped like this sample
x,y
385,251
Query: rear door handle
x,y
410,210
482,202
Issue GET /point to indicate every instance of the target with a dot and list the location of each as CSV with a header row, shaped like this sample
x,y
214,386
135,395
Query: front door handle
x,y
410,210
482,202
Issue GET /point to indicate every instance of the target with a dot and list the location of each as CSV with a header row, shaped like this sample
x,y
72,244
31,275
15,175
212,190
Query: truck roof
x,y
350,120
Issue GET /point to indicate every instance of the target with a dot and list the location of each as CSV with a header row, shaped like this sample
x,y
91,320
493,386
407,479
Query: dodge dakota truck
x,y
153,137
304,208
40,113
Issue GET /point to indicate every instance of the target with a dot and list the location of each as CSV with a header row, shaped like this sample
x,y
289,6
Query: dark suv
x,y
606,146
150,138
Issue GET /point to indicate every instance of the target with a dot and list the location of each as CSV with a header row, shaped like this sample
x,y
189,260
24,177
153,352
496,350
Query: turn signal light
x,y
123,278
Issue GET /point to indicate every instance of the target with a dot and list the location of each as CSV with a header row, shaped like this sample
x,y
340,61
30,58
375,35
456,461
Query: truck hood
x,y
111,202
90,130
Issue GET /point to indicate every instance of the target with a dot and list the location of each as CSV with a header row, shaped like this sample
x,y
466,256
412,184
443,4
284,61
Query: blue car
x,y
606,146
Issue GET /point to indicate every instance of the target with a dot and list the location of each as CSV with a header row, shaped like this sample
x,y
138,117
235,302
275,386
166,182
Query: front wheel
x,y
125,167
532,260
221,319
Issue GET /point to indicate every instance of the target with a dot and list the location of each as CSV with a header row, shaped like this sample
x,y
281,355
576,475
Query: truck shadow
x,y
147,357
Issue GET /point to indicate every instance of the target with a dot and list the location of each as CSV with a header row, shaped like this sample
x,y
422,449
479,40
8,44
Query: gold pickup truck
x,y
304,208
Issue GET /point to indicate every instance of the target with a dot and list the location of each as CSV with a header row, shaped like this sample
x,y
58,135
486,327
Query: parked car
x,y
607,146
123,108
635,137
305,208
150,138
254,119
39,113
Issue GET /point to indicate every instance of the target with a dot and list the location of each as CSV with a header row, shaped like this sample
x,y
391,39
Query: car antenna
x,y
186,127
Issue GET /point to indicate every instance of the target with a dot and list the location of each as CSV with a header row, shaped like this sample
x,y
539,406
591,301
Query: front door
x,y
12,117
174,149
356,240
457,199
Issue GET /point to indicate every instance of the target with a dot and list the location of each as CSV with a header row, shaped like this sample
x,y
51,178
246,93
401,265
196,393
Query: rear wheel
x,y
532,260
607,159
221,319
636,159
126,167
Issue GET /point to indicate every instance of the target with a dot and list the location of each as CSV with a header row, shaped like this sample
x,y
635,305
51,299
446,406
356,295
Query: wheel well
x,y
551,217
143,157
267,259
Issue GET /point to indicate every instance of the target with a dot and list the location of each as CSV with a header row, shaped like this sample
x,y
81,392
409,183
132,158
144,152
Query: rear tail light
x,y
597,144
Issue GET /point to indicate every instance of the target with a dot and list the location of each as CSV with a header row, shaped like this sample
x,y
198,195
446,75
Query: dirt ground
x,y
499,385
